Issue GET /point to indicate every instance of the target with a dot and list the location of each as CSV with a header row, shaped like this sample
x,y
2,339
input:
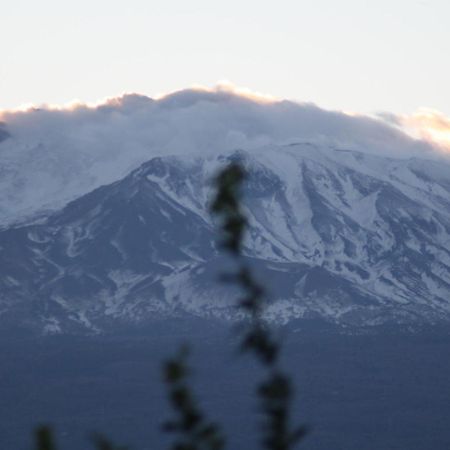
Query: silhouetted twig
x,y
193,430
276,391
44,438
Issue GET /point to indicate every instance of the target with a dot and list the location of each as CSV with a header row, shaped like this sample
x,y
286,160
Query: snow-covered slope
x,y
344,236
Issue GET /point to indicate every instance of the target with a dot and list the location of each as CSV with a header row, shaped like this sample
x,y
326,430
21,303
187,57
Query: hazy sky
x,y
389,55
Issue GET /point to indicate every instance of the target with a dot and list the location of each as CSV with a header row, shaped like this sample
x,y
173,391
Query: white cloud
x,y
55,154
428,124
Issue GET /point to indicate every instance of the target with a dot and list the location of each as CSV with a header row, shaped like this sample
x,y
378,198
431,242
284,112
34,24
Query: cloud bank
x,y
50,155
429,125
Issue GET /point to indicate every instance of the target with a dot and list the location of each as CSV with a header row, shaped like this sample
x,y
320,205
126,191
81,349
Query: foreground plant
x,y
275,391
191,428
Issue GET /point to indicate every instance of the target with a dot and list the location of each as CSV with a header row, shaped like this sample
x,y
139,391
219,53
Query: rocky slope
x,y
344,236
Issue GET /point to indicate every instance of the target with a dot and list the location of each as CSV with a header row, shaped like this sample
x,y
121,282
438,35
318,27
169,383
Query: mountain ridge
x,y
341,236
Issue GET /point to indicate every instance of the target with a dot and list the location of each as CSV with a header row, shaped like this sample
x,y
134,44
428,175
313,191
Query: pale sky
x,y
352,55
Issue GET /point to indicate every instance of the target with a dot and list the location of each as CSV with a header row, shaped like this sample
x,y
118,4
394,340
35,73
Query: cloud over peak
x,y
57,153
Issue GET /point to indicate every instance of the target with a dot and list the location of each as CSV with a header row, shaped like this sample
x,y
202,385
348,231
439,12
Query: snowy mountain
x,y
348,237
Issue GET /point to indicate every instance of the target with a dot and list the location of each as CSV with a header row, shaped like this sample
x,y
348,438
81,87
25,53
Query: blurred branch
x,y
44,438
275,392
193,430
